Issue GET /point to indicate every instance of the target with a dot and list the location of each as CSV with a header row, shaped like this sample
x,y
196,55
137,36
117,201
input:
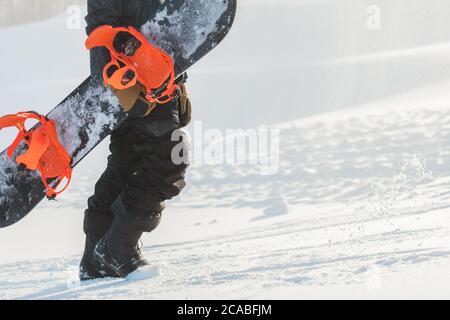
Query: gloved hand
x,y
184,107
133,101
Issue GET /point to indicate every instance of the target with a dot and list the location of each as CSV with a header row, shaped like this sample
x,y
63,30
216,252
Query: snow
x,y
358,208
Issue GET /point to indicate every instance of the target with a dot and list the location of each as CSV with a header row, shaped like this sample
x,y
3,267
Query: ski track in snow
x,y
354,194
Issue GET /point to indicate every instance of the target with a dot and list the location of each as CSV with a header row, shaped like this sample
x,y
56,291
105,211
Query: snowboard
x,y
186,30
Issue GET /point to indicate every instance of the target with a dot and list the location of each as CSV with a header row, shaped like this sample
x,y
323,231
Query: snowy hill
x,y
358,208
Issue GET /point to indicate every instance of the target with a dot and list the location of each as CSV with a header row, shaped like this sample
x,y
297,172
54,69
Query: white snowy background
x,y
360,205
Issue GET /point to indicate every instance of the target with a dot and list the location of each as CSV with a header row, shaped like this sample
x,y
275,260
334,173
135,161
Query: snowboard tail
x,y
186,30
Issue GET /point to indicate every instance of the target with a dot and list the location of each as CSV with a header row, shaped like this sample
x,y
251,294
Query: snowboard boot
x,y
117,254
95,227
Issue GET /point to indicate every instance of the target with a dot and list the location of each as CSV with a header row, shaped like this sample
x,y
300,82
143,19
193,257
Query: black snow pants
x,y
140,174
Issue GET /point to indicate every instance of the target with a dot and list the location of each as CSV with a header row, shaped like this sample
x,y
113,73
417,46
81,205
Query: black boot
x,y
87,270
95,226
117,254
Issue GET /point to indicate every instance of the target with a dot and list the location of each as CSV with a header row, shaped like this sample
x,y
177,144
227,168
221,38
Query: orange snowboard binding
x,y
134,59
44,154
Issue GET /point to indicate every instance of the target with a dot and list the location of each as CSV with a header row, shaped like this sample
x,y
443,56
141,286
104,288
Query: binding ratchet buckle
x,y
44,152
134,59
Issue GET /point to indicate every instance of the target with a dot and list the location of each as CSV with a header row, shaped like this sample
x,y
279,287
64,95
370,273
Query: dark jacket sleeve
x,y
101,12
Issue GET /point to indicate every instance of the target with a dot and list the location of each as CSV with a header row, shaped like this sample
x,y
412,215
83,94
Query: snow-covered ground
x,y
358,209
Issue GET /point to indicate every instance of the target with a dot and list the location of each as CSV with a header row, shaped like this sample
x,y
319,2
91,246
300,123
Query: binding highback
x,y
44,152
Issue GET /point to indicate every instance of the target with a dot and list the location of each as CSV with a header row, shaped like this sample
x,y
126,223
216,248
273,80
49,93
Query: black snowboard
x,y
187,30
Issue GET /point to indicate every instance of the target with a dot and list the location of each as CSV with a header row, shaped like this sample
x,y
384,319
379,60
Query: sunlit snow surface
x,y
360,202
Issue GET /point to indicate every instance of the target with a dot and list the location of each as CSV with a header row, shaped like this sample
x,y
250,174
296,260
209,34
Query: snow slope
x,y
359,208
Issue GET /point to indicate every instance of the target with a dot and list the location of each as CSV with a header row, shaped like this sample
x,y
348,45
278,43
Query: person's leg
x,y
139,207
99,217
